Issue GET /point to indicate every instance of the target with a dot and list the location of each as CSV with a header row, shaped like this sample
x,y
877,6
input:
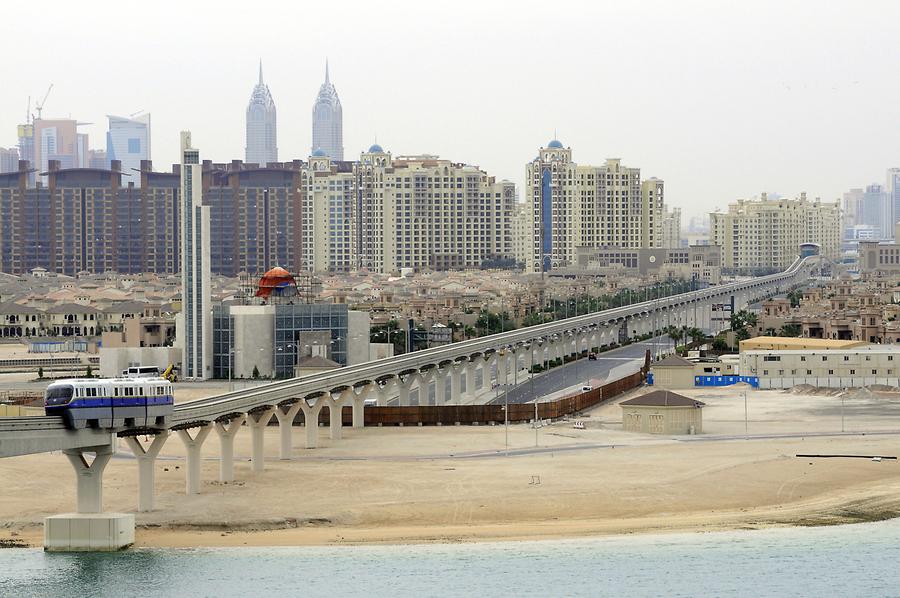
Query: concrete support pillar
x,y
335,412
286,429
440,385
501,369
311,417
193,445
226,432
90,477
423,387
403,388
359,404
383,393
146,459
455,384
258,422
471,390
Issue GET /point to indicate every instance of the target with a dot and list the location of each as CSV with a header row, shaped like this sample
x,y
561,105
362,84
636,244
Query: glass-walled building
x,y
273,339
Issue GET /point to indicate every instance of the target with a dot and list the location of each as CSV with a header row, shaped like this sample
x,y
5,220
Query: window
x,y
852,372
874,372
831,372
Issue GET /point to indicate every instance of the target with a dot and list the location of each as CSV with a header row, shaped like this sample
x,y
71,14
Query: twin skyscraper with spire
x,y
327,124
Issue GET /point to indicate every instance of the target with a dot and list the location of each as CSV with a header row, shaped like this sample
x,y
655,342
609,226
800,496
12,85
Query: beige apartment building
x,y
765,234
574,206
387,213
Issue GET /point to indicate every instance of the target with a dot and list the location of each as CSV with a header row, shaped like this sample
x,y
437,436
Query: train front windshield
x,y
60,395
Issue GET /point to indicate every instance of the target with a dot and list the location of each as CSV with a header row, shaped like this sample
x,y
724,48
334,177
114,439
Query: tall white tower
x,y
195,324
262,139
328,122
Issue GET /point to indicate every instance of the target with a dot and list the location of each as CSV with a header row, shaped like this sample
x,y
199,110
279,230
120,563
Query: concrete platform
x,y
100,532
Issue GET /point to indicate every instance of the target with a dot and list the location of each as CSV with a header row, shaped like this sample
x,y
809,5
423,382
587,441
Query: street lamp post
x,y
746,420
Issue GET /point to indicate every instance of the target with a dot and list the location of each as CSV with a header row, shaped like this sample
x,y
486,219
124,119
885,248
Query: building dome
x,y
276,281
319,153
555,144
376,149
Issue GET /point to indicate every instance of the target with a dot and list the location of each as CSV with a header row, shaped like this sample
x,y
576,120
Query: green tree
x,y
40,372
89,372
696,334
255,372
790,330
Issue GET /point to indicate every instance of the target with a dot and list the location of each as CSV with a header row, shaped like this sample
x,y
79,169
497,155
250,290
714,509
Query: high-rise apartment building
x,y
82,220
59,140
128,141
255,216
670,229
878,211
852,208
381,213
765,234
576,206
9,159
195,320
522,233
262,140
892,190
423,212
328,121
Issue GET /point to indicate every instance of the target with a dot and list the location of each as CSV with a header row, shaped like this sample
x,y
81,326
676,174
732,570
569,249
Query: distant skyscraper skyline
x,y
262,139
892,189
328,122
9,159
128,140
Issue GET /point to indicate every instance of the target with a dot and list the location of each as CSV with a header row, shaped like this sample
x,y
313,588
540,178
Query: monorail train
x,y
111,402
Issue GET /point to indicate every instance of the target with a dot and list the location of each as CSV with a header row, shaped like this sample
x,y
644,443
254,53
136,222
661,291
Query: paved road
x,y
578,373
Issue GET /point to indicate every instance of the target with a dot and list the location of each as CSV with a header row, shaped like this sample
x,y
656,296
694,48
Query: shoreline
x,y
189,536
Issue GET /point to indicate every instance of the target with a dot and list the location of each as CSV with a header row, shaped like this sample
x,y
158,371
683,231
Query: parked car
x,y
592,356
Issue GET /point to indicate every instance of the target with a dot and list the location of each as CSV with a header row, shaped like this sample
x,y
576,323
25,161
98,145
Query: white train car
x,y
111,402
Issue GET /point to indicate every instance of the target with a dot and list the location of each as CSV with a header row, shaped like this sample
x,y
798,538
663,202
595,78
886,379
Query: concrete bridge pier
x,y
335,412
193,445
226,432
403,388
89,529
311,419
258,422
440,385
89,491
146,459
358,401
286,430
502,363
456,383
471,390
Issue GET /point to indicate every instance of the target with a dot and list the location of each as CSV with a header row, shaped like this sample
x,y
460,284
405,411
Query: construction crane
x,y
40,106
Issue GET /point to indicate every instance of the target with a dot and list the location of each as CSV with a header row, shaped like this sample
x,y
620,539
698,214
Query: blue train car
x,y
111,402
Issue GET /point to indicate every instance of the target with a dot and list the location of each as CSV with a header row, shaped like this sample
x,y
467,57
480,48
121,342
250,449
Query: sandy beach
x,y
451,484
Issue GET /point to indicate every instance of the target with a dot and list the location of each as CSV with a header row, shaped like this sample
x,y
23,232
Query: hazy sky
x,y
720,99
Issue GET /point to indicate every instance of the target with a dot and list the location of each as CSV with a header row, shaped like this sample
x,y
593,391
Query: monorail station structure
x,y
447,373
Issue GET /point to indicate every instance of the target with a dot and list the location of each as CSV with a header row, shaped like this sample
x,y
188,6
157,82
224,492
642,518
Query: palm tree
x,y
695,334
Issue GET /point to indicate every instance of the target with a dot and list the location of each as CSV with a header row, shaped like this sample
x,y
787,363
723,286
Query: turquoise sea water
x,y
856,560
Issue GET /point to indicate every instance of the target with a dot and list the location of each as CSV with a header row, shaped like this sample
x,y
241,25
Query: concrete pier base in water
x,y
95,532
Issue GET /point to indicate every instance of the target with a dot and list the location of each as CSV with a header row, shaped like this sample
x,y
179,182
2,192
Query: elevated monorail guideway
x,y
383,380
